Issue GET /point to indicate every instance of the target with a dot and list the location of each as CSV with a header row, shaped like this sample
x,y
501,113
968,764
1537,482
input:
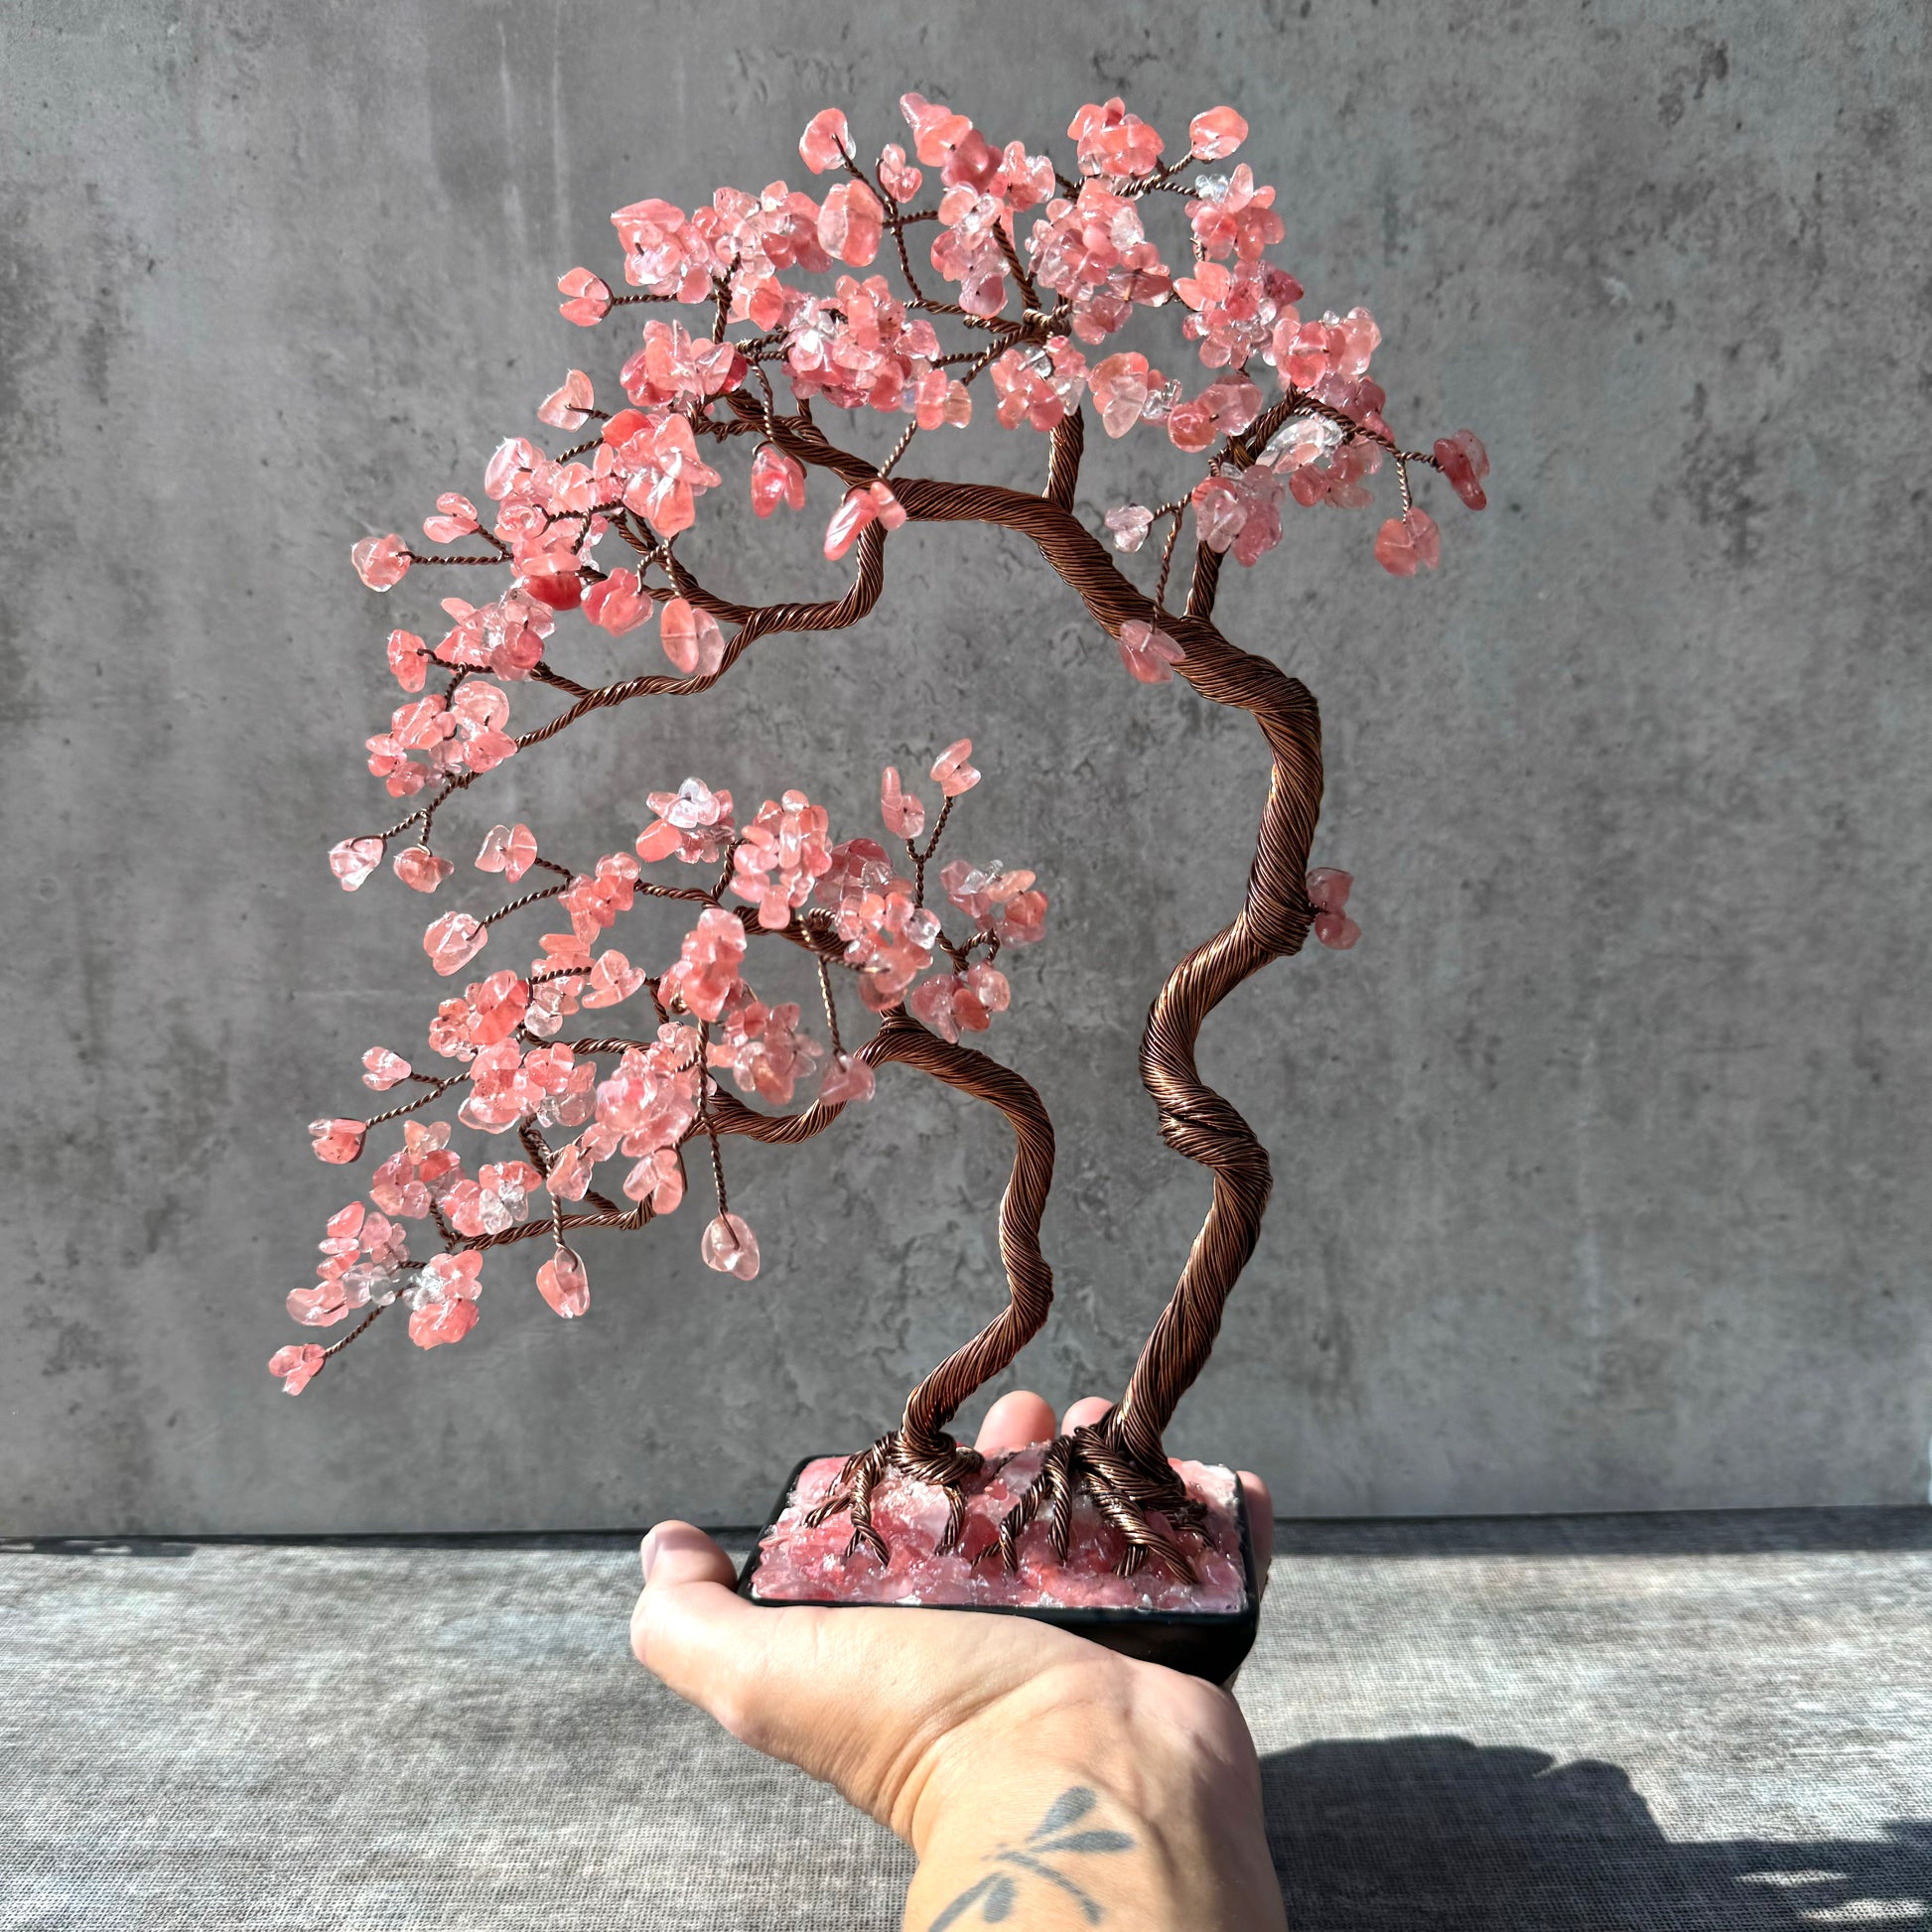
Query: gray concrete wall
x,y
1602,1164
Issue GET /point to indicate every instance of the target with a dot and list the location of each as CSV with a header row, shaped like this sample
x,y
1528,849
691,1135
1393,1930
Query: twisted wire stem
x,y
919,1448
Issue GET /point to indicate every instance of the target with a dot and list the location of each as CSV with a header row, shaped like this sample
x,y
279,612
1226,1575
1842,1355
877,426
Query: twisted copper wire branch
x,y
919,1447
754,621
1125,1462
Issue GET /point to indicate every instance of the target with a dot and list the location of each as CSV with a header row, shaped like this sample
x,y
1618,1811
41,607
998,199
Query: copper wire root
x,y
1088,1464
946,1470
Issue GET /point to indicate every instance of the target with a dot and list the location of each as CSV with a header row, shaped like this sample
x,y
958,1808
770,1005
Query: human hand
x,y
1027,1767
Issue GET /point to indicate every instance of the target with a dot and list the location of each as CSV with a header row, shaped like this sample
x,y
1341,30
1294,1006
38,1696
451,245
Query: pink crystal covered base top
x,y
800,1565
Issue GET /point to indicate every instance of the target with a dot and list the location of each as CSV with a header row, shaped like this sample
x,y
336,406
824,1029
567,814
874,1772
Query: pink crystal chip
x,y
851,517
613,980
563,408
691,638
777,478
444,1301
296,1364
951,772
1465,462
352,859
337,1141
694,822
1216,134
618,605
852,223
800,1565
846,1080
900,181
380,562
590,298
1327,889
1150,655
383,1069
453,941
419,867
1327,892
1407,543
565,1283
508,849
455,516
730,1247
902,811
1121,385
705,973
826,141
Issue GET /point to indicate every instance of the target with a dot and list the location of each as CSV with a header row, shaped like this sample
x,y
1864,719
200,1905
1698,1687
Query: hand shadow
x,y
1416,1833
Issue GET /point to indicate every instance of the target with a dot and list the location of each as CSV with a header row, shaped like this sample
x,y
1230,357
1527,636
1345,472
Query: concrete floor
x,y
1672,1723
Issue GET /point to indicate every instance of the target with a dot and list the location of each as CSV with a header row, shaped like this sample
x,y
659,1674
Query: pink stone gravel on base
x,y
798,1564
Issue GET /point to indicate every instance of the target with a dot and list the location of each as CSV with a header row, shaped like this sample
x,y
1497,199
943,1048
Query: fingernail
x,y
648,1554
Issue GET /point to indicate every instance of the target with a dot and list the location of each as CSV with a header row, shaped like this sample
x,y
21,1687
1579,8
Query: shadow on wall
x,y
1414,1833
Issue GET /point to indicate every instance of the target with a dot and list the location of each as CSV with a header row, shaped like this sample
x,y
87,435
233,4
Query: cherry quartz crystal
x,y
801,1565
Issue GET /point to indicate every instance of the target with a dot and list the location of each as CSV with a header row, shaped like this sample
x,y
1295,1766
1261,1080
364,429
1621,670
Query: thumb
x,y
743,1663
690,1628
674,1554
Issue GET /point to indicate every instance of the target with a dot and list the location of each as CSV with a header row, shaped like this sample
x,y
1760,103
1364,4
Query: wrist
x,y
1153,1818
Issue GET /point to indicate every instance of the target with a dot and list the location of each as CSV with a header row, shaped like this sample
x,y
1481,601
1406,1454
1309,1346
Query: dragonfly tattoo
x,y
1052,1838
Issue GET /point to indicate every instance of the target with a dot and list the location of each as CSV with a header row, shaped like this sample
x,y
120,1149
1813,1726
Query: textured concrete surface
x,y
1601,1165
1700,1724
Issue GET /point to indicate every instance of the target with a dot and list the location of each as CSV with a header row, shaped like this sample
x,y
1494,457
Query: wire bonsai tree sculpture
x,y
593,536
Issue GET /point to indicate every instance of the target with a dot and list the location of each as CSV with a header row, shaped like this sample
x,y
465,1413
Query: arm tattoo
x,y
996,1893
